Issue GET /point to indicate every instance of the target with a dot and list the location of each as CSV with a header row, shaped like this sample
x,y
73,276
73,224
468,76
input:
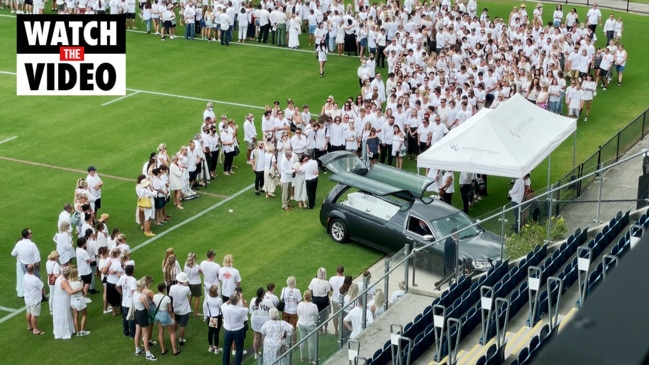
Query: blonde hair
x,y
73,275
290,282
170,269
322,273
379,298
191,259
353,291
227,260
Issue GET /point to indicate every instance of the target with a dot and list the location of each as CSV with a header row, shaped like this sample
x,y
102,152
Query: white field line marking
x,y
120,98
7,309
8,139
136,91
12,314
194,98
192,218
32,163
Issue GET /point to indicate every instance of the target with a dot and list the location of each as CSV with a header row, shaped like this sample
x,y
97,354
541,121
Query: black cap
x,y
92,168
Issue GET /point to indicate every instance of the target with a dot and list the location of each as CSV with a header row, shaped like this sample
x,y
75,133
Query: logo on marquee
x,y
71,55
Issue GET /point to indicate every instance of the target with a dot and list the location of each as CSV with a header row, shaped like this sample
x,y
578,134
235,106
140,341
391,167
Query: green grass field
x,y
58,137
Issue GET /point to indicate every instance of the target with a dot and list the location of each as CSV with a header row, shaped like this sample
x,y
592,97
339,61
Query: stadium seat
x,y
418,347
523,355
482,360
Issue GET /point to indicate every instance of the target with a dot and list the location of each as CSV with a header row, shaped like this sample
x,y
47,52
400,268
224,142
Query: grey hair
x,y
322,273
274,314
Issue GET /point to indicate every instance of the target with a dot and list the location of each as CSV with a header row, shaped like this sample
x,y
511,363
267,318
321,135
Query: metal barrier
x,y
584,255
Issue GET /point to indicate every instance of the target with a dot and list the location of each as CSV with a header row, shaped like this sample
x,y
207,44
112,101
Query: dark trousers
x,y
448,198
259,180
227,161
386,151
213,161
236,337
213,334
128,327
465,190
311,187
319,153
263,33
380,57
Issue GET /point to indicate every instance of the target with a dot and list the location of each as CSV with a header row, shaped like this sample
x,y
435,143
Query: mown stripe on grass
x,y
192,218
39,164
8,139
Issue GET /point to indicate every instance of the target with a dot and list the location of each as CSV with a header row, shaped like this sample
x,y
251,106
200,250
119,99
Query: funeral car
x,y
385,208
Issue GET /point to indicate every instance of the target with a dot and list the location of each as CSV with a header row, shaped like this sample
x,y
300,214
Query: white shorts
x,y
78,303
35,309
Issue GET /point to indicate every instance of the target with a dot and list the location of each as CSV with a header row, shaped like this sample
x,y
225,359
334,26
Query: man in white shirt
x,y
515,194
264,23
249,135
189,14
286,178
179,294
65,216
354,319
593,17
33,289
126,286
258,162
282,125
210,271
298,143
311,171
94,185
234,317
27,252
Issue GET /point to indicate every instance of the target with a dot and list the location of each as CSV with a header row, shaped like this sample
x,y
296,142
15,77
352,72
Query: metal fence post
x,y
366,284
341,325
406,251
386,283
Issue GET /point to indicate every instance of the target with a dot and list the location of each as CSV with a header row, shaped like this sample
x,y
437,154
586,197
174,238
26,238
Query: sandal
x,y
39,333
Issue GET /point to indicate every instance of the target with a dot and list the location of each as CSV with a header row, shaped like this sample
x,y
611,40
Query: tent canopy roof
x,y
509,141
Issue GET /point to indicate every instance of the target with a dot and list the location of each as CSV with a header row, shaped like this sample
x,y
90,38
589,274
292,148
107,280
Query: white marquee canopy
x,y
509,141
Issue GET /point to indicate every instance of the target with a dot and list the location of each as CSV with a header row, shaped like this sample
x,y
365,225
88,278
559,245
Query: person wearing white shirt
x,y
354,319
33,289
515,194
94,186
234,317
229,276
609,28
286,178
299,142
210,271
593,17
249,135
311,171
179,294
386,136
307,314
65,216
27,252
264,23
225,26
126,286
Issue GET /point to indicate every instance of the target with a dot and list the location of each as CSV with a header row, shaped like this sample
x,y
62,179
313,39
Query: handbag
x,y
282,303
157,308
144,203
236,150
212,322
130,316
293,127
51,279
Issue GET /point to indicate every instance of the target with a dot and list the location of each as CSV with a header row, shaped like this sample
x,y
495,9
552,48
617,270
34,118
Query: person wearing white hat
x,y
144,214
179,294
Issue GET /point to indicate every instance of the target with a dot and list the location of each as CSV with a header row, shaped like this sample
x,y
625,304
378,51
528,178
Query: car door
x,y
418,230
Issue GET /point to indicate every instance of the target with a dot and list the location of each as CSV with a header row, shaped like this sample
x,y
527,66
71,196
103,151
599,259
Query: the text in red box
x,y
71,54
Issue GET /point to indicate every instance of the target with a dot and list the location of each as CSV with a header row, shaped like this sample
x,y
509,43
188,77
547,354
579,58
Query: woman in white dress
x,y
270,172
61,311
175,181
274,333
145,215
63,239
260,314
321,50
53,272
299,183
294,31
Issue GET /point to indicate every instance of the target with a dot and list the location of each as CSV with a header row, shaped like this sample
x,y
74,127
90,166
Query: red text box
x,y
71,53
